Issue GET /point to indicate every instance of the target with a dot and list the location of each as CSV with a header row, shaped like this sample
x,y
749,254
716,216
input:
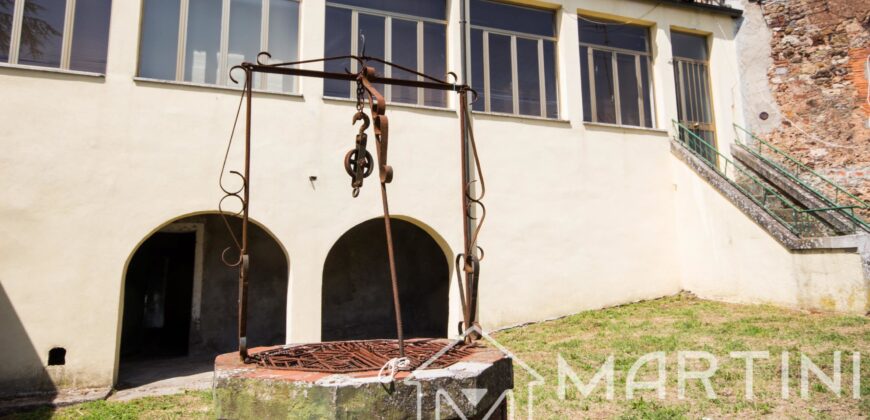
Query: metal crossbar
x,y
799,221
843,201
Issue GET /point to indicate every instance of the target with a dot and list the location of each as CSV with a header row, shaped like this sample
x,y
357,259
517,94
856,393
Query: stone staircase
x,y
800,202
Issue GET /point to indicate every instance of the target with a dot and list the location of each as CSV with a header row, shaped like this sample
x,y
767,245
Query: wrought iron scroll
x,y
242,262
359,164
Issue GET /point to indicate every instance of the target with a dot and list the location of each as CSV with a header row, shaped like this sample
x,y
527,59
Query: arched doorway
x,y
357,299
180,300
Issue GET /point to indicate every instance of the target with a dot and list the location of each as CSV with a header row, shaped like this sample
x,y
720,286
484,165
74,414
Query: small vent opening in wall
x,y
57,356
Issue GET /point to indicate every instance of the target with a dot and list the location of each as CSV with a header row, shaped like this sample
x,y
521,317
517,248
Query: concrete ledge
x,y
53,399
792,189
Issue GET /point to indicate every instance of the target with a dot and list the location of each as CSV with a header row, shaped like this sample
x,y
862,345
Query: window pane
x,y
584,84
404,53
513,18
605,102
42,33
628,90
435,60
617,35
477,69
528,77
550,79
649,118
689,46
371,42
338,40
678,77
244,42
283,42
6,7
706,113
90,35
203,41
433,9
500,78
159,45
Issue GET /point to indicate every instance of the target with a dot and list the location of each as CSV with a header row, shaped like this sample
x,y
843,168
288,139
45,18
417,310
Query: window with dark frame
x,y
410,33
615,73
61,34
199,41
513,59
694,96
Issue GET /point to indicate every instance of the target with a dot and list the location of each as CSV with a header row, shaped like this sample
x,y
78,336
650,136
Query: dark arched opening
x,y
357,299
180,300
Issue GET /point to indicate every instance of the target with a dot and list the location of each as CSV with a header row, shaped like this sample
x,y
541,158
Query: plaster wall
x,y
727,256
580,216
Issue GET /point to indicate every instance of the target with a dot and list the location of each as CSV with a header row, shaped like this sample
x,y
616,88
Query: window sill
x,y
213,87
625,127
51,70
393,104
520,117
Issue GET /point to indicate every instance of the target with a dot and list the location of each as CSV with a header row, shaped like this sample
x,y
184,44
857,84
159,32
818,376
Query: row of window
x,y
64,34
513,50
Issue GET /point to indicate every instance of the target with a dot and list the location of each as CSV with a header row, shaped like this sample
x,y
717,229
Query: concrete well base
x,y
475,386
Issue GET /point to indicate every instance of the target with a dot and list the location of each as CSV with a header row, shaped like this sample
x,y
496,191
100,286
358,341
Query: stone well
x,y
475,385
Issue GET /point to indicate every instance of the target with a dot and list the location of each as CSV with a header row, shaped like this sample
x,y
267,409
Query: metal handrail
x,y
835,203
795,226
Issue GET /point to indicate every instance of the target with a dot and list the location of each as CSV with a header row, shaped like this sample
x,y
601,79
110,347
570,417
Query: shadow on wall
x,y
267,288
22,372
357,293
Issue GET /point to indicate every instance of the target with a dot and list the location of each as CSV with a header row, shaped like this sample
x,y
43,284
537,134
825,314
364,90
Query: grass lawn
x,y
668,325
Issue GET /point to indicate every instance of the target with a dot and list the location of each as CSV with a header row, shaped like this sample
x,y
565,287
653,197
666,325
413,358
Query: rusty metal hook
x,y
261,53
358,162
365,119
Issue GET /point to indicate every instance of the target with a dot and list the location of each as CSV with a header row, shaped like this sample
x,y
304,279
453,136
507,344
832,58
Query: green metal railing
x,y
831,193
801,222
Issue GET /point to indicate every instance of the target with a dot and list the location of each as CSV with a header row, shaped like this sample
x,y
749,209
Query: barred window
x,y
615,73
199,41
62,34
410,33
513,59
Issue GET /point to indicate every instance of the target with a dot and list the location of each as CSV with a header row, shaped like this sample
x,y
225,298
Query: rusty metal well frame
x,y
359,163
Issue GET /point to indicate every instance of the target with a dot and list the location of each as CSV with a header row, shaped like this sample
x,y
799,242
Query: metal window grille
x,y
694,104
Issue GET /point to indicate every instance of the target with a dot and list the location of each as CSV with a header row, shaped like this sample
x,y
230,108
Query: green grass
x,y
684,323
190,405
670,325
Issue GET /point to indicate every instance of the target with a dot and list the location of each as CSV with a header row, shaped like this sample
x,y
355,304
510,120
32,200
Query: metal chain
x,y
360,96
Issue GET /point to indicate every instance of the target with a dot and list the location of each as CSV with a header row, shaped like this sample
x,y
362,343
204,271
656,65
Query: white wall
x,y
727,256
580,216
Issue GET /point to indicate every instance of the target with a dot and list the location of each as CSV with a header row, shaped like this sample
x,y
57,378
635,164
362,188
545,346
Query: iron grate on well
x,y
361,355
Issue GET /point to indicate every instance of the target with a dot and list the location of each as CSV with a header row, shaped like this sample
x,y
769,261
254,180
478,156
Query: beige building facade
x,y
581,214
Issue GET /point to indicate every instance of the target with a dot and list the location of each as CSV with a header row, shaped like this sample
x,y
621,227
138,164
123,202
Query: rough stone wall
x,y
819,50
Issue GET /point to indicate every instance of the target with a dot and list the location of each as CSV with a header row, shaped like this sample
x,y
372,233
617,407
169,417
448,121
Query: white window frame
x,y
388,45
542,79
638,58
223,76
66,43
